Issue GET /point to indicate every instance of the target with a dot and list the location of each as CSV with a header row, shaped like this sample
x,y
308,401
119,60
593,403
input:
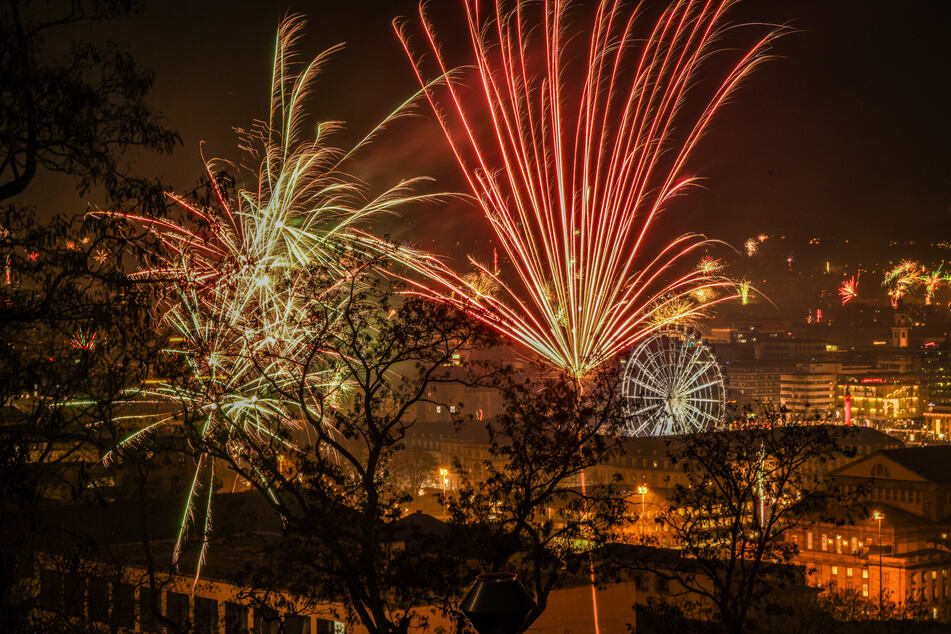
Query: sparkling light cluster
x,y
241,295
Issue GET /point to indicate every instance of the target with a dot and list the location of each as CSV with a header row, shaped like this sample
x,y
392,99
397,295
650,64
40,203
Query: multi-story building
x,y
751,385
878,398
807,393
902,549
936,372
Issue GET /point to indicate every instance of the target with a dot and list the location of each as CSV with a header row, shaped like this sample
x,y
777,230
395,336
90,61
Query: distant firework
x,y
709,264
744,292
849,289
931,281
571,169
751,246
240,284
900,279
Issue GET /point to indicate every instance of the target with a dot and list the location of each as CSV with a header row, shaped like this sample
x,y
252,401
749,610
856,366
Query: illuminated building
x,y
936,372
751,385
805,392
879,398
902,550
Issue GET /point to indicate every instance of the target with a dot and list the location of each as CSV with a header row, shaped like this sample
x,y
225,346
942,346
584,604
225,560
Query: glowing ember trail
x,y
849,289
241,286
572,141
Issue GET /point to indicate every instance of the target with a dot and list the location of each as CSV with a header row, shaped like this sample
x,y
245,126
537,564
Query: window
x,y
864,589
865,573
835,570
824,542
176,608
73,595
123,605
809,540
147,620
50,590
236,619
206,616
848,572
98,600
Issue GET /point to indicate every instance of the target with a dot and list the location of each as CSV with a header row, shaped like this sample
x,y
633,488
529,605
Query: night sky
x,y
847,132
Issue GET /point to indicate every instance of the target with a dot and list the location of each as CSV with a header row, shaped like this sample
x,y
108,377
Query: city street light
x,y
643,491
444,474
879,516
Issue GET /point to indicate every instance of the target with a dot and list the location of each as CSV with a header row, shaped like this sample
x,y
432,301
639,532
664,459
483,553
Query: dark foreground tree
x,y
72,106
540,503
346,536
75,336
741,493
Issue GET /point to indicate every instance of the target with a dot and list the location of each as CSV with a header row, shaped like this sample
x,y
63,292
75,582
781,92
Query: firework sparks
x,y
931,282
573,171
744,292
85,339
240,283
709,265
899,279
849,289
751,246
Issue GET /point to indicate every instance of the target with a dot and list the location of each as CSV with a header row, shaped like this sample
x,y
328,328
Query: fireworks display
x,y
751,246
849,289
900,279
236,276
744,292
931,281
582,151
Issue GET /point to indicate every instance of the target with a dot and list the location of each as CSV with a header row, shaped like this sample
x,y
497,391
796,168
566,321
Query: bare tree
x,y
75,111
333,483
537,507
741,494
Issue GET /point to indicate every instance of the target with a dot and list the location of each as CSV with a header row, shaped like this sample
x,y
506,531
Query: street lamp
x,y
879,516
643,491
497,603
444,474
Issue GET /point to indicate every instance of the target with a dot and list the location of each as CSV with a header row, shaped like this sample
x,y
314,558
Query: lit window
x,y
835,570
848,572
865,573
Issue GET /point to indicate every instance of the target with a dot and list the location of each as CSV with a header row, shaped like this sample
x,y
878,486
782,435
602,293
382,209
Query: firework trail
x,y
572,172
240,283
849,289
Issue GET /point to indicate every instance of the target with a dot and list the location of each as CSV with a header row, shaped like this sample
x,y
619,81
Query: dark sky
x,y
848,132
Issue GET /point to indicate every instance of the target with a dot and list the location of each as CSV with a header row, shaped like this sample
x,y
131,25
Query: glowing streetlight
x,y
643,491
879,516
444,474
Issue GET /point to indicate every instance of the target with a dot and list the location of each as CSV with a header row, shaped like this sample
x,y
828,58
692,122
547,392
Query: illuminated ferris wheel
x,y
673,385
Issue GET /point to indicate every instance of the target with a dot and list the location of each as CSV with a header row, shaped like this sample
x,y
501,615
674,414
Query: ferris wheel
x,y
673,385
